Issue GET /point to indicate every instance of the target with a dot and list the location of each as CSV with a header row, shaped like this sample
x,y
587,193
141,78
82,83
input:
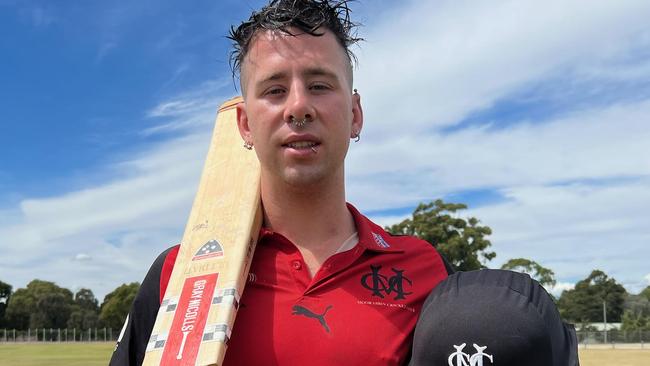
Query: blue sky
x,y
535,114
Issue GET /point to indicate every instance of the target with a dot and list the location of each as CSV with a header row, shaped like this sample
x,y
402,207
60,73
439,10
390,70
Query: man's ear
x,y
357,115
242,123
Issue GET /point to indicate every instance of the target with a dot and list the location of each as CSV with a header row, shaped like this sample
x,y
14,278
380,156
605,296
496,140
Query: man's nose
x,y
299,105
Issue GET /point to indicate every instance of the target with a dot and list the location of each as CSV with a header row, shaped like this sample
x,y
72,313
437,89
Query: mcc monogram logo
x,y
460,358
381,284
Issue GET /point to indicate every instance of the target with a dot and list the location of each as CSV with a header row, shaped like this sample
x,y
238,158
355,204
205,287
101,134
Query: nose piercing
x,y
299,123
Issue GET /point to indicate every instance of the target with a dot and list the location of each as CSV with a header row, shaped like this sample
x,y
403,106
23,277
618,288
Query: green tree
x,y
584,303
52,311
85,299
462,242
637,313
85,311
18,309
543,275
634,321
41,304
116,305
83,319
637,304
646,293
5,294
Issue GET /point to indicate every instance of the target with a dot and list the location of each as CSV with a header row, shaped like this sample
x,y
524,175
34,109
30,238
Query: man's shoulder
x,y
416,250
166,255
411,243
406,243
165,264
132,342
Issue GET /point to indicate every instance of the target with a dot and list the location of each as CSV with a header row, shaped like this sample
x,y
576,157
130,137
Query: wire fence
x,y
614,338
58,335
611,338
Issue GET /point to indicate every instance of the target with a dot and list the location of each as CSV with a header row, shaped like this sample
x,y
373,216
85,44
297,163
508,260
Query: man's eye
x,y
274,91
319,87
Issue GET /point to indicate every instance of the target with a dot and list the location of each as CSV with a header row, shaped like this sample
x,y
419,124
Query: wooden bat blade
x,y
198,310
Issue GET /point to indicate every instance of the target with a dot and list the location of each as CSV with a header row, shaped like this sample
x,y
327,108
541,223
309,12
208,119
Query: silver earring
x,y
248,145
356,136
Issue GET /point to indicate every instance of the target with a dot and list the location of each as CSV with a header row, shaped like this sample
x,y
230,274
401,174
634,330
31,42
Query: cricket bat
x,y
198,311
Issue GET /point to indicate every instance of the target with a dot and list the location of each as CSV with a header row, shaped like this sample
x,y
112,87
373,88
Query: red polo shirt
x,y
360,308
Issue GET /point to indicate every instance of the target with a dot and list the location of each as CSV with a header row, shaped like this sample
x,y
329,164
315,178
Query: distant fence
x,y
611,338
614,338
59,335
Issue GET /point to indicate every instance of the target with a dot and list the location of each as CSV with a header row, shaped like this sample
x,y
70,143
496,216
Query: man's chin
x,y
307,178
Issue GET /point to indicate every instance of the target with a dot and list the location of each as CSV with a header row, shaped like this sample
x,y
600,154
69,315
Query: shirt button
x,y
296,265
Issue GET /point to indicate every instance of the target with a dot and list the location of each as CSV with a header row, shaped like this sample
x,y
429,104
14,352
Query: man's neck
x,y
316,218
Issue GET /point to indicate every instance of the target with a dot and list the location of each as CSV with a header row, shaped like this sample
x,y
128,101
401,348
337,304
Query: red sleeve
x,y
166,270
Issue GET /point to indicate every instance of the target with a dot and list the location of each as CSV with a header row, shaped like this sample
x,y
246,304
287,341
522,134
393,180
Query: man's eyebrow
x,y
319,71
273,77
309,72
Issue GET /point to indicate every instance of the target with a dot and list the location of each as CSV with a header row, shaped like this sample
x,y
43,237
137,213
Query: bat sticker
x,y
186,332
210,249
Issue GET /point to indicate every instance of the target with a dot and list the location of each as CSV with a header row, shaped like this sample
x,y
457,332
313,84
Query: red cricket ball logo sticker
x,y
209,250
186,332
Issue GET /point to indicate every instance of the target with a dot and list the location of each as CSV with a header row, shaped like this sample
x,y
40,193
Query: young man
x,y
327,286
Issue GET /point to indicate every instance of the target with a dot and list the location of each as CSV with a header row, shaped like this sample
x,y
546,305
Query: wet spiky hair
x,y
309,16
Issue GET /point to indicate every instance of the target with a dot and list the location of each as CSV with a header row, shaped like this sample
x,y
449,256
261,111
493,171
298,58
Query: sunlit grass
x,y
614,357
55,354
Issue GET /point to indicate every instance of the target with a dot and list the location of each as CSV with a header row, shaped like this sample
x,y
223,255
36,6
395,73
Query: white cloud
x,y
121,225
82,257
574,229
559,287
595,144
432,63
388,220
193,109
103,235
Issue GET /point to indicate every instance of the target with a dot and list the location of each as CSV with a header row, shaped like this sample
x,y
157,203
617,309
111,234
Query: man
x,y
327,286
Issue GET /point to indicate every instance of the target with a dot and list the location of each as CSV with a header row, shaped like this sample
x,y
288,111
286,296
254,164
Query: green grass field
x,y
96,354
614,357
55,354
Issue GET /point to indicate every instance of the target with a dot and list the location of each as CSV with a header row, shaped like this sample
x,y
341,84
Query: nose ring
x,y
299,123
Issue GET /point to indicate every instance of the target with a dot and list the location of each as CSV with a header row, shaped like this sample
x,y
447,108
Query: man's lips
x,y
301,142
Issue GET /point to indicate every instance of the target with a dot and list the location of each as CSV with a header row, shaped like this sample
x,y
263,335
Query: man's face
x,y
285,77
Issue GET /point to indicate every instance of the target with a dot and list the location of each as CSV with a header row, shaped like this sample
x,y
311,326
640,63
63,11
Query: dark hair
x,y
305,15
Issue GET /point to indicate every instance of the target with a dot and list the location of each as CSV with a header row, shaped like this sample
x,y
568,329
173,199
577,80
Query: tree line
x,y
43,304
463,241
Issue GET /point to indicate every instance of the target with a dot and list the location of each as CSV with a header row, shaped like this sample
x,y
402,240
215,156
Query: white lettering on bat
x,y
191,313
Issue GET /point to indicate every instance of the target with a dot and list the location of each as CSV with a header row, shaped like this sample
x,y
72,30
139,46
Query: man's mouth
x,y
301,145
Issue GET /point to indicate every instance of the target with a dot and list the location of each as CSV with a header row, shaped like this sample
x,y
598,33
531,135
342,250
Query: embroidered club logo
x,y
210,249
380,284
460,358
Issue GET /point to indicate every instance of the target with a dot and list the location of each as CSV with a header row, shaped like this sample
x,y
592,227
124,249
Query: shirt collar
x,y
371,235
